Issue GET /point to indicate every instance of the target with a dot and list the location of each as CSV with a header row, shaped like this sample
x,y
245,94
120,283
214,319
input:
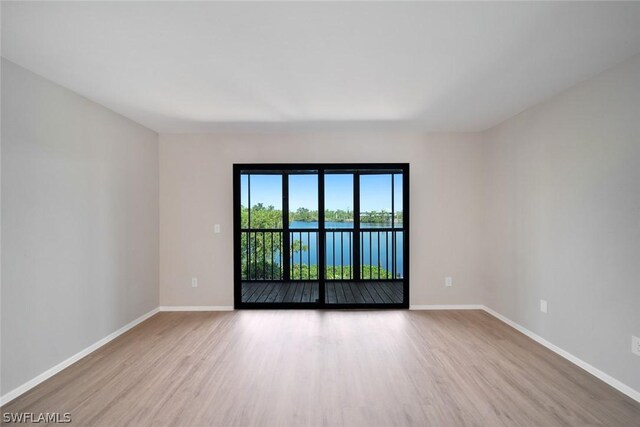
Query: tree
x,y
262,250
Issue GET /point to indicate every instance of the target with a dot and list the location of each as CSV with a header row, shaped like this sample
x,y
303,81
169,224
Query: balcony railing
x,y
261,254
380,254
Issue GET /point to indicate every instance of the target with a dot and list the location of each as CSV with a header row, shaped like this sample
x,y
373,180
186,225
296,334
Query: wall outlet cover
x,y
448,281
194,282
635,345
543,305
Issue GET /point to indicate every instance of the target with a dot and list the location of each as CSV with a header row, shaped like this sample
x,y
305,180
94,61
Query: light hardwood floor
x,y
335,368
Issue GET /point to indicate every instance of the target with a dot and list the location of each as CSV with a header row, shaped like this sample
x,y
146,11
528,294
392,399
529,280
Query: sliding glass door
x,y
322,235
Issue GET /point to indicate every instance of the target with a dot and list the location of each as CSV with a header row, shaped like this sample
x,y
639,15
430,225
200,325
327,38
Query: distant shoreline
x,y
350,220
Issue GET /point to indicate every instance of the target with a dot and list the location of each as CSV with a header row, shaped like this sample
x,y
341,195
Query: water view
x,y
339,245
381,226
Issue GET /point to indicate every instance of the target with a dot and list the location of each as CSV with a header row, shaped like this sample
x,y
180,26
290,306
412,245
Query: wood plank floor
x,y
333,368
279,292
338,292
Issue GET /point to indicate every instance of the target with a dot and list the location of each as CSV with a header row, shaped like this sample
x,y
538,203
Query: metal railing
x,y
263,254
339,254
305,247
381,254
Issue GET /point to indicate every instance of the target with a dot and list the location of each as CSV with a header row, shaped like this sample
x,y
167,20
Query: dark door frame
x,y
285,169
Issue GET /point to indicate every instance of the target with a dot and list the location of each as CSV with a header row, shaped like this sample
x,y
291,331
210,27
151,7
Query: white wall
x,y
196,193
546,205
79,223
563,220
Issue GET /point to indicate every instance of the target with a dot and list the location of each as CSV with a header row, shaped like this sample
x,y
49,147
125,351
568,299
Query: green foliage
x,y
304,215
263,269
261,250
338,215
373,272
261,217
265,247
376,217
269,217
305,272
372,217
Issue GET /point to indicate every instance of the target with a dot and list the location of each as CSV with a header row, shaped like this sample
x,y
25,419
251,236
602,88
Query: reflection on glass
x,y
338,200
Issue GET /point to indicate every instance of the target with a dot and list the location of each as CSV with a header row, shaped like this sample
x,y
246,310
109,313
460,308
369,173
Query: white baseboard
x,y
8,397
448,307
618,385
196,308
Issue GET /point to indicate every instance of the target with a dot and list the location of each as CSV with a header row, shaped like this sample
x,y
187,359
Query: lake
x,y
344,246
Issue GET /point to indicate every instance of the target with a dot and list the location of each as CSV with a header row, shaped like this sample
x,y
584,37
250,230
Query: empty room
x,y
320,213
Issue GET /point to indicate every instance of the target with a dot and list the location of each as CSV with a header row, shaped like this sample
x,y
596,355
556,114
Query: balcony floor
x,y
337,292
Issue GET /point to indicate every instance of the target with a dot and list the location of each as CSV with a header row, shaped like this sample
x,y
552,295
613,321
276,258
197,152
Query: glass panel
x,y
338,215
339,254
244,200
265,198
260,255
399,257
375,212
303,201
261,208
303,213
375,201
338,201
376,254
379,242
397,201
304,255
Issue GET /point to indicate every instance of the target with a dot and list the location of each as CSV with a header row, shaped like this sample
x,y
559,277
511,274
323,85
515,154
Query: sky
x,y
375,191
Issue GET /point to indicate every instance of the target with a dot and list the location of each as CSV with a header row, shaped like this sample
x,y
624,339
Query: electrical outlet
x,y
543,305
635,345
448,281
216,228
194,282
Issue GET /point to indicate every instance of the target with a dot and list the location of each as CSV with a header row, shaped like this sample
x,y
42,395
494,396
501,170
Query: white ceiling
x,y
199,67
